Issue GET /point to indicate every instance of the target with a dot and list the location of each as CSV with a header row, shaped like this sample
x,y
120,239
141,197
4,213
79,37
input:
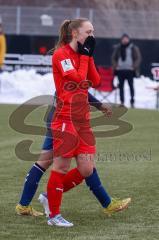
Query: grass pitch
x,y
128,166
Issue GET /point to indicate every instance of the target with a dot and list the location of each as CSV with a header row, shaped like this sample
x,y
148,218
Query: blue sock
x,y
94,183
31,184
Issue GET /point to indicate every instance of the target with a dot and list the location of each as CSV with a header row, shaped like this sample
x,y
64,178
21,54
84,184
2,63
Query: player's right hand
x,y
106,109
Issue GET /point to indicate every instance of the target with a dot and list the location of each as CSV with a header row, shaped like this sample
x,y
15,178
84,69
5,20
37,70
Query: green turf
x,y
128,166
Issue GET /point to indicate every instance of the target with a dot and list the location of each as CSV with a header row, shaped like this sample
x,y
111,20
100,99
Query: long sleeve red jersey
x,y
73,74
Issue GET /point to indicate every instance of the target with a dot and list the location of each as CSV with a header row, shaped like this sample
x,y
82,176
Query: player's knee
x,y
63,168
45,164
86,171
45,159
60,169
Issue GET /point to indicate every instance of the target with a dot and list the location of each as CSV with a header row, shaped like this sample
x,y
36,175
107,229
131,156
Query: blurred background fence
x,y
108,23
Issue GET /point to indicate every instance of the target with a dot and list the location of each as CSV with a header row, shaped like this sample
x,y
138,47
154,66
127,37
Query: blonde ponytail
x,y
65,32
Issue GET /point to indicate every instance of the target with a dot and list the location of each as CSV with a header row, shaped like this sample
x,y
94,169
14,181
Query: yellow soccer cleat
x,y
27,211
117,205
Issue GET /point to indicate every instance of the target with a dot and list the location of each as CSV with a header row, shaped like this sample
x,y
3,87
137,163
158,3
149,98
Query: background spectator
x,y
126,60
2,45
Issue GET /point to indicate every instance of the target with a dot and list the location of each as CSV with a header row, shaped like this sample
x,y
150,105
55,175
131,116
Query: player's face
x,y
125,40
84,31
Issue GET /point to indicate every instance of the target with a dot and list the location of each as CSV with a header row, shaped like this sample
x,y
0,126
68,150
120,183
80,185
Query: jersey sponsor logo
x,y
83,85
67,65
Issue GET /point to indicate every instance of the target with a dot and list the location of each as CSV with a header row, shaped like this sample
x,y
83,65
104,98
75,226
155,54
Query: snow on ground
x,y
22,85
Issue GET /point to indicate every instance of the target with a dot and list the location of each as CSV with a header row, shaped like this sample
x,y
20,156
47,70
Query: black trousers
x,y
129,76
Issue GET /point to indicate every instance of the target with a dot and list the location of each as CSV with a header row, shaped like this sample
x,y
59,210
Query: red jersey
x,y
73,74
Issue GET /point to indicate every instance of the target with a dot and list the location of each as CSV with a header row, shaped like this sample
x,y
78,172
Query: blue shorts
x,y
48,140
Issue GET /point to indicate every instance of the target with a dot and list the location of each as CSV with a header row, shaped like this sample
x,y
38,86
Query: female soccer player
x,y
45,160
74,71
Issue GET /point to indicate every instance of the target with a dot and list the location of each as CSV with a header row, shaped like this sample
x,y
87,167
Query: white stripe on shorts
x,y
63,126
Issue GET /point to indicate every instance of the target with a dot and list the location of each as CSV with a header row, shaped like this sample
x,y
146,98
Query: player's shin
x,y
54,192
31,184
95,185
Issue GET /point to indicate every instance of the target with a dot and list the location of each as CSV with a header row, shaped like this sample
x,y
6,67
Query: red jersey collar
x,y
67,46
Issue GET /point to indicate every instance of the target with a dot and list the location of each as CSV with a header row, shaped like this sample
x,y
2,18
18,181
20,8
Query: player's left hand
x,y
88,47
106,109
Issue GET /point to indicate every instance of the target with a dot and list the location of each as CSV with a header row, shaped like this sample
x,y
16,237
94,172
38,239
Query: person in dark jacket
x,y
126,59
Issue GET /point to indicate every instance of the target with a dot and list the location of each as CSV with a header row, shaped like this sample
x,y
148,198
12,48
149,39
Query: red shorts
x,y
71,139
